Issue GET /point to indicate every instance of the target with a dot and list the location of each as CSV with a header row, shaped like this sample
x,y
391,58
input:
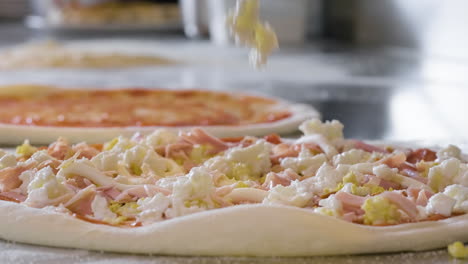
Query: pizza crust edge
x,y
247,230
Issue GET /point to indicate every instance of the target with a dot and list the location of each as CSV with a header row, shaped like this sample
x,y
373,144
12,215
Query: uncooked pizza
x,y
41,114
56,55
192,193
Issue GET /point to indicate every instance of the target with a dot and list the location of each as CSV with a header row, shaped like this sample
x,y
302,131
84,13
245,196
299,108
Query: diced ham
x,y
141,191
177,147
422,198
60,149
14,195
273,139
109,192
282,151
422,154
53,164
414,174
386,184
199,136
78,181
232,139
350,200
395,161
367,147
403,203
85,150
80,203
9,178
419,196
371,179
410,170
281,178
350,216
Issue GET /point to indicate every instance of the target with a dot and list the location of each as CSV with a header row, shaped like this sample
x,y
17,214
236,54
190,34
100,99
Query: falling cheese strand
x,y
245,25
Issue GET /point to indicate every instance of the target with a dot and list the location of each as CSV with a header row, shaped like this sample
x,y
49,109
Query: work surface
x,y
20,253
389,94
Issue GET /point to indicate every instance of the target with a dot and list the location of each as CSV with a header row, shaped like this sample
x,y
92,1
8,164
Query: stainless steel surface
x,y
430,26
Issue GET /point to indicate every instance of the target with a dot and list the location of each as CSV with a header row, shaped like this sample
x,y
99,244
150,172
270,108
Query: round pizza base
x,y
246,230
16,134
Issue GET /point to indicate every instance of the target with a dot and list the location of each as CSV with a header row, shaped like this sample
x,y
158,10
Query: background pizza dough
x,y
54,55
15,134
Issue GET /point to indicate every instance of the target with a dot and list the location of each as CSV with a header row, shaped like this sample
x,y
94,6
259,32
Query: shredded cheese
x,y
248,30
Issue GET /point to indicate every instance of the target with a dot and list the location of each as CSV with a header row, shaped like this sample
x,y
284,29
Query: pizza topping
x,y
247,29
450,151
379,210
142,180
46,189
26,150
199,137
152,209
440,176
9,178
296,194
460,194
458,250
440,204
100,209
80,203
60,149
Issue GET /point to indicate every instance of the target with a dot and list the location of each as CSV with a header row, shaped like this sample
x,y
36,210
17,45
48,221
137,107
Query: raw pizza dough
x,y
16,134
244,230
238,230
55,55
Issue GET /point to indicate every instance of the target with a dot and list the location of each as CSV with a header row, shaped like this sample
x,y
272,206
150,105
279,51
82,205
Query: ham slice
x,y
14,195
422,154
85,151
78,182
53,164
282,151
177,147
386,184
273,139
9,178
350,200
141,191
403,203
421,197
395,161
199,136
60,149
109,192
80,203
350,216
281,178
367,147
